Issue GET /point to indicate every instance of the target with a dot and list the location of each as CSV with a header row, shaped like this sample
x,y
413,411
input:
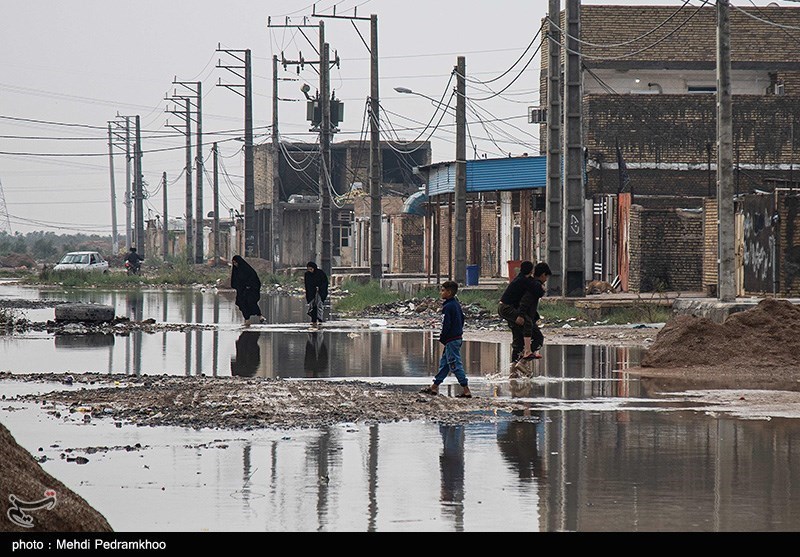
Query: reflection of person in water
x,y
316,358
451,466
248,355
519,445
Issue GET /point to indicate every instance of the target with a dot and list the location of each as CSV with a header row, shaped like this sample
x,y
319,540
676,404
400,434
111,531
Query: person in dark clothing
x,y
245,281
316,283
134,260
508,309
529,309
451,337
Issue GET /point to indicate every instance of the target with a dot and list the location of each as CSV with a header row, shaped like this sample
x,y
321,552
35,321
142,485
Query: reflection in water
x,y
78,342
519,444
451,466
248,355
316,362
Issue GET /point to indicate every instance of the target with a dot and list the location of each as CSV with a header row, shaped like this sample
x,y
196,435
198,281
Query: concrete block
x,y
94,313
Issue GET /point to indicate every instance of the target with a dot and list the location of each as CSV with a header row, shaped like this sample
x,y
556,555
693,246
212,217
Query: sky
x,y
71,66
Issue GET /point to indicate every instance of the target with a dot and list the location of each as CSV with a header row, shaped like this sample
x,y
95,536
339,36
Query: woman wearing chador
x,y
316,283
245,281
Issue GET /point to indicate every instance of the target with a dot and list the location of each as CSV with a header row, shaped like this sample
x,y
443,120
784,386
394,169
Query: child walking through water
x,y
451,337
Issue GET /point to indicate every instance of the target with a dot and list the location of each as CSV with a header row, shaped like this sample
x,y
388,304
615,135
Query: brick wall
x,y
408,244
689,36
262,177
789,244
666,250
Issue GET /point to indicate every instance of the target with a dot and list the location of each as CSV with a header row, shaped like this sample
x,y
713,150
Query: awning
x,y
414,204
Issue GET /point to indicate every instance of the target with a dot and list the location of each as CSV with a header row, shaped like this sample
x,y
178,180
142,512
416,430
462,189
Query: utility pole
x,y
216,205
199,255
244,72
128,183
276,215
375,163
325,174
186,115
139,194
461,174
277,211
195,107
554,185
725,228
573,283
165,227
114,238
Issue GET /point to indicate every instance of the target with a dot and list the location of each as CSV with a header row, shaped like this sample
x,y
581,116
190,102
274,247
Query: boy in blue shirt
x,y
451,337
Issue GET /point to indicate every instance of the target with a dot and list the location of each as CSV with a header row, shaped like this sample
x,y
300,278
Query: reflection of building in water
x,y
451,468
248,355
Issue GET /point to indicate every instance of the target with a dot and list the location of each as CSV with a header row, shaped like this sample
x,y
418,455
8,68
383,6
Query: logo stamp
x,y
18,511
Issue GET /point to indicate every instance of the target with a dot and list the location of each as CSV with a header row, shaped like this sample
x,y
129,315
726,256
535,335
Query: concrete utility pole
x,y
725,229
198,250
216,205
244,72
573,282
554,185
194,106
460,274
165,226
276,215
114,239
128,182
375,163
140,243
128,186
325,174
188,217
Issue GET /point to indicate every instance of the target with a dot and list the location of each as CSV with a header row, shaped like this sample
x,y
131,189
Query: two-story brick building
x,y
649,90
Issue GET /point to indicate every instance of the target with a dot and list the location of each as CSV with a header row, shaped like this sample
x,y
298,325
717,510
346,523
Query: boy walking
x,y
451,337
529,310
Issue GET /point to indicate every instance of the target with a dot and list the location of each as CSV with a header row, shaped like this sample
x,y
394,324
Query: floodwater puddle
x,y
592,451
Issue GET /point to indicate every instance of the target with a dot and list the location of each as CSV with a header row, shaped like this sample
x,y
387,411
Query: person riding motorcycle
x,y
133,262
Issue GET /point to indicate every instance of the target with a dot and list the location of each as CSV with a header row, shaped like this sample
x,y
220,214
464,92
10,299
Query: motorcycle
x,y
131,268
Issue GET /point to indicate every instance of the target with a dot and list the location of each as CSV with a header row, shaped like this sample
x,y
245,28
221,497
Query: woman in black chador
x,y
245,281
316,283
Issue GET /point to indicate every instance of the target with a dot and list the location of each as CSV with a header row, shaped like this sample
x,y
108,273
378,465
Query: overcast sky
x,y
70,66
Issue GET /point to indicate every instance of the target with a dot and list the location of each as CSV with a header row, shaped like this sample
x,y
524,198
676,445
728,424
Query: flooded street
x,y
593,451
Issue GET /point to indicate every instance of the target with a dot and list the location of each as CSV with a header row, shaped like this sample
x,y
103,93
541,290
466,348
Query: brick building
x,y
649,88
298,209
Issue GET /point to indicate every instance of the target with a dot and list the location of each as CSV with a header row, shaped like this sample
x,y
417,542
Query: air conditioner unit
x,y
777,88
537,115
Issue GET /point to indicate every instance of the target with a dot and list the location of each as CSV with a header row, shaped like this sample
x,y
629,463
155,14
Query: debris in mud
x,y
248,403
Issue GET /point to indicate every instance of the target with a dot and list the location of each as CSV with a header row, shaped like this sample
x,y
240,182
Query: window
x,y
702,88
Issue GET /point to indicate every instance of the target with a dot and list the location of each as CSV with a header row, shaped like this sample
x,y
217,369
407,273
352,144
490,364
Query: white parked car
x,y
82,261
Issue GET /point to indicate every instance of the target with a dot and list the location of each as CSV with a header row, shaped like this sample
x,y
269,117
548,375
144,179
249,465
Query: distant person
x,y
529,308
245,281
316,283
508,309
451,337
133,261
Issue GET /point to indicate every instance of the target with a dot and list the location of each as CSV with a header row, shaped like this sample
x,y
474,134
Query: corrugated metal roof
x,y
504,174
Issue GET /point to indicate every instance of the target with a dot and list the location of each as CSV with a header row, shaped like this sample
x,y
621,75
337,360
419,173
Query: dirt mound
x,y
38,498
765,335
